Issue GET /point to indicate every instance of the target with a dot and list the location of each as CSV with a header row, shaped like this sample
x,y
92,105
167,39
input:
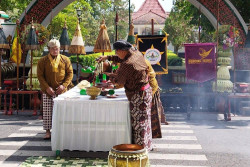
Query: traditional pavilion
x,y
142,19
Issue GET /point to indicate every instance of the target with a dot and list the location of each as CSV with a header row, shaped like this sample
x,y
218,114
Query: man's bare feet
x,y
47,135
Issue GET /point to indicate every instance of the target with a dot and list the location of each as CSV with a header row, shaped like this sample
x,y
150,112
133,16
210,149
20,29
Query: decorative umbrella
x,y
64,39
77,47
32,40
32,44
3,45
102,43
131,35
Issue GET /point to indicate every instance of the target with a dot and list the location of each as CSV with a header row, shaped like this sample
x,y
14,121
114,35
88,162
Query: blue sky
x,y
166,4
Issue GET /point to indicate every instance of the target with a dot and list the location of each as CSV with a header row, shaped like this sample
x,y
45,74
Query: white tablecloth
x,y
91,125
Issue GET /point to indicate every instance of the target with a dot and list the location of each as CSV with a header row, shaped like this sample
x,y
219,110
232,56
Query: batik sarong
x,y
156,111
47,111
140,111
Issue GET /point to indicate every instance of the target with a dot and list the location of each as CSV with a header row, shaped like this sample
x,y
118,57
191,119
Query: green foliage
x,y
173,59
189,11
88,60
14,8
183,25
243,7
179,29
94,12
171,54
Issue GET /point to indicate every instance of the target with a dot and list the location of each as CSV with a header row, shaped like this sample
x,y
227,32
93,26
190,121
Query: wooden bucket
x,y
128,155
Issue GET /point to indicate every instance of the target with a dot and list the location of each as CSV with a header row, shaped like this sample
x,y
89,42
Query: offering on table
x,y
104,78
111,92
111,96
104,92
83,84
83,92
93,92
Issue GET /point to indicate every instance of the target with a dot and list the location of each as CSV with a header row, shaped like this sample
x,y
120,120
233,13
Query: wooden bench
x,y
22,92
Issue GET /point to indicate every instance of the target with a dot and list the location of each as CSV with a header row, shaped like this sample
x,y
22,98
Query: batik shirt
x,y
132,72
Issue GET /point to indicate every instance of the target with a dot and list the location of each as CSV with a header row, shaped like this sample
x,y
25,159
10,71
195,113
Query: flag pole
x,y
217,35
17,45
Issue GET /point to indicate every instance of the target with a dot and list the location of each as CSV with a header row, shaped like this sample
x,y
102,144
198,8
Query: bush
x,y
88,60
173,59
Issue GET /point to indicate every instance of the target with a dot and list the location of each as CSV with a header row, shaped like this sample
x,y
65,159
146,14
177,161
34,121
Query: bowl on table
x,y
93,92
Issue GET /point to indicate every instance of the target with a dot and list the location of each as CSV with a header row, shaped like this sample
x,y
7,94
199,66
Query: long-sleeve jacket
x,y
48,78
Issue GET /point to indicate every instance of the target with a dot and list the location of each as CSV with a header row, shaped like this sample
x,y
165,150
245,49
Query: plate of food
x,y
111,96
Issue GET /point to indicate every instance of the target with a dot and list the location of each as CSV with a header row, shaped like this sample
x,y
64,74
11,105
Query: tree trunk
x,y
176,48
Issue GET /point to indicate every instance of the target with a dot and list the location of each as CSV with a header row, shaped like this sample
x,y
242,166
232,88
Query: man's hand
x,y
60,89
107,73
102,58
50,91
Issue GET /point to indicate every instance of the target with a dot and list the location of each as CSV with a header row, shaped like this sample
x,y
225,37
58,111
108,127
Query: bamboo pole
x,y
31,62
199,23
217,35
152,24
24,61
77,64
234,52
234,84
17,45
217,49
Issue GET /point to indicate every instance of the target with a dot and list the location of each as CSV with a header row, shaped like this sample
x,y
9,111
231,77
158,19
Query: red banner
x,y
200,61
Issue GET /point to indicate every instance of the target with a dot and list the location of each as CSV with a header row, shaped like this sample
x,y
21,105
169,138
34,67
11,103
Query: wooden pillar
x,y
152,24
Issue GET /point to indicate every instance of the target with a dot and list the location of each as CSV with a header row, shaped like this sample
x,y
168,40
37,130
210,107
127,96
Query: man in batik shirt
x,y
132,73
55,74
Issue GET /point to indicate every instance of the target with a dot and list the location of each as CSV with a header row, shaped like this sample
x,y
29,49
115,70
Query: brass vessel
x,y
93,92
128,155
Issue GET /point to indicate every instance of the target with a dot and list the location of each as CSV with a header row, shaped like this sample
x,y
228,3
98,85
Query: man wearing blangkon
x,y
55,74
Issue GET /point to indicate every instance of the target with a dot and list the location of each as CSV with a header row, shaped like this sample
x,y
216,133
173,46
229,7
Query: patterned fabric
x,y
66,162
140,111
132,72
226,15
156,111
47,111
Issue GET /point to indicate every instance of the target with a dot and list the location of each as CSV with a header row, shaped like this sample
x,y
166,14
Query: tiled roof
x,y
150,8
146,18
